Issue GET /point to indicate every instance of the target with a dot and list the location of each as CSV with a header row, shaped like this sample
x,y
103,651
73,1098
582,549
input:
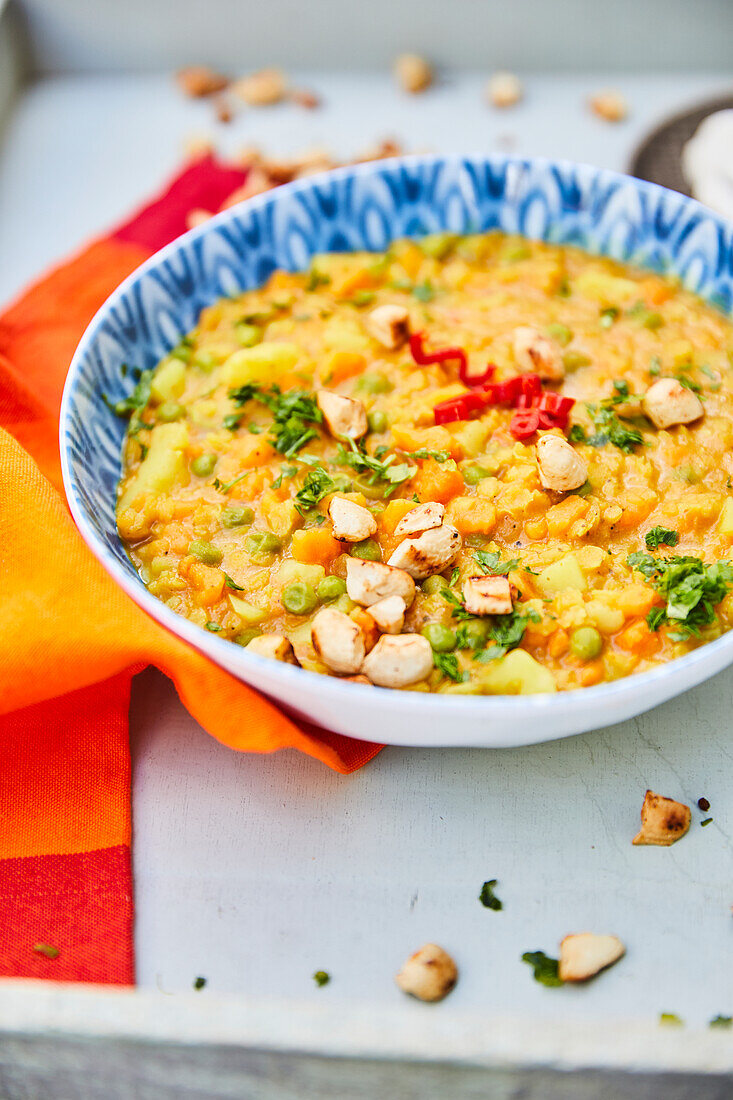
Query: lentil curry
x,y
469,465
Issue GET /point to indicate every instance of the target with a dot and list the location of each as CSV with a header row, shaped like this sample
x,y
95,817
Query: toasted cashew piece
x,y
389,325
389,614
504,89
487,596
538,354
414,73
351,521
429,974
343,415
368,582
419,519
583,954
275,646
359,679
337,640
398,660
560,466
663,821
668,402
431,552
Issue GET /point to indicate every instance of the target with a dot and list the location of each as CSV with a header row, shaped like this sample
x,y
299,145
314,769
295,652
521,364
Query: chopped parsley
x,y
285,471
199,983
225,486
491,653
388,469
609,429
544,968
721,1021
317,485
212,627
608,316
447,663
707,821
229,583
660,536
691,588
488,898
294,414
489,561
132,406
321,977
47,950
687,382
316,279
423,452
670,1019
578,434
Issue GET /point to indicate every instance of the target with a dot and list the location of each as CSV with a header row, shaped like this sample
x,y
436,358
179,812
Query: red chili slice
x,y
557,404
459,408
524,423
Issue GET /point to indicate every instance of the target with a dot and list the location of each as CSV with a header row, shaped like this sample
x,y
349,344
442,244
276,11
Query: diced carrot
x,y
283,280
561,516
592,673
409,255
315,546
636,599
437,482
342,365
208,582
536,528
655,290
638,638
472,515
434,439
558,643
393,513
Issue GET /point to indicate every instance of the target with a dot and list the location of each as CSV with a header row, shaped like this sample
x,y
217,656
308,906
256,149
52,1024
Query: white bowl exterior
x,y
365,207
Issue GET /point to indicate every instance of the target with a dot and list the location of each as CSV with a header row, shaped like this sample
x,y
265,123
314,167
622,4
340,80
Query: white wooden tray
x,y
255,871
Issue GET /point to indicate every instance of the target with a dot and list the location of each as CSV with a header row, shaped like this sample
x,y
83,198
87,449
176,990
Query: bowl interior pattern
x,y
363,207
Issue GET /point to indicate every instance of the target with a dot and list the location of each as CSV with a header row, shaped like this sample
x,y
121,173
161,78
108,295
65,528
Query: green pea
x,y
205,552
248,335
513,251
374,383
586,643
236,516
476,542
378,421
433,585
473,474
262,546
299,598
169,411
652,320
246,636
476,633
438,245
330,588
183,352
441,638
367,549
574,359
205,361
204,465
561,333
371,492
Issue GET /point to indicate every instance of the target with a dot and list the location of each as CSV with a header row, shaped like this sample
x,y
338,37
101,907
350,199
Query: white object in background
x,y
707,162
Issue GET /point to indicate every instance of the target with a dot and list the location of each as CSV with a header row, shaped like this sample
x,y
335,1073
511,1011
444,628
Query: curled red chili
x,y
446,355
463,407
524,423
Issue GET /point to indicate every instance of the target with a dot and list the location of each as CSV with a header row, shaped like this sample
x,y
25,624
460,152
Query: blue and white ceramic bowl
x,y
366,207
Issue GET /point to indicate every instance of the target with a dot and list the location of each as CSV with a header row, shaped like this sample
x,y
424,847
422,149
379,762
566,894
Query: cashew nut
x,y
389,325
344,415
337,640
663,821
389,614
419,519
351,521
668,402
560,466
431,552
398,660
368,582
429,974
487,596
583,954
275,646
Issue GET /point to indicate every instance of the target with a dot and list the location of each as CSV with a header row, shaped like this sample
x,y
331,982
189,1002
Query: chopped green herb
x,y
213,627
225,486
199,983
489,561
655,366
294,414
447,663
706,821
583,490
47,950
687,382
608,316
661,536
379,470
316,279
670,1019
132,406
545,968
423,452
508,630
318,484
361,298
491,653
423,292
609,429
488,898
721,1021
285,471
691,588
321,977
229,583
232,421
578,434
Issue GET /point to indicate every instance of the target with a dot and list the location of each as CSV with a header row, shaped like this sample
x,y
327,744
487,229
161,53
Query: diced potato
x,y
169,381
345,334
264,362
562,574
247,612
607,289
292,570
472,437
163,465
725,523
516,674
282,517
607,619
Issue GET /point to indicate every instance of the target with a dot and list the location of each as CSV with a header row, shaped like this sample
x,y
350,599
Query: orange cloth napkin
x,y
71,640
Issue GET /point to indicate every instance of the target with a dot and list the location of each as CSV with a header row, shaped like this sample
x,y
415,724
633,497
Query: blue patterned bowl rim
x,y
625,219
